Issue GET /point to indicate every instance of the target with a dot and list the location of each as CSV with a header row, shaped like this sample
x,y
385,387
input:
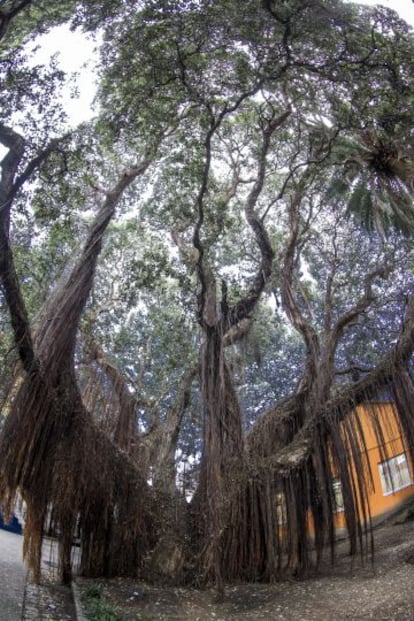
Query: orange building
x,y
389,469
390,464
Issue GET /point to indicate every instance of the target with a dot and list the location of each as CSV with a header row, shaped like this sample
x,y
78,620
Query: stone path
x,y
12,576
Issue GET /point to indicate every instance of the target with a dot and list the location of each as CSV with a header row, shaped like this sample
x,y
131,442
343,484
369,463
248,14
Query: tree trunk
x,y
49,447
222,460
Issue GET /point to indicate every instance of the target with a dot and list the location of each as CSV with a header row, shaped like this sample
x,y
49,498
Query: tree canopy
x,y
202,282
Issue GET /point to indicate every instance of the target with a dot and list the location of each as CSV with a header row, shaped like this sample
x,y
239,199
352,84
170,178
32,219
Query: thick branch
x,y
6,17
10,185
361,305
36,162
198,245
237,332
11,287
160,442
289,302
294,454
215,123
125,427
57,338
242,309
326,370
164,470
328,301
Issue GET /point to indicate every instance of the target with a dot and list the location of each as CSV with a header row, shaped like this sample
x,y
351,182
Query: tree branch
x,y
10,184
11,287
6,17
56,338
244,307
268,431
125,424
289,302
36,162
164,470
215,122
198,245
361,305
237,332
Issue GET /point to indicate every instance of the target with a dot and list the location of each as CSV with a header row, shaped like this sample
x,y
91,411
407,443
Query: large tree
x,y
226,171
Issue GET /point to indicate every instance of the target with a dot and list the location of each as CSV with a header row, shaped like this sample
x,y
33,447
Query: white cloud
x,y
76,54
405,8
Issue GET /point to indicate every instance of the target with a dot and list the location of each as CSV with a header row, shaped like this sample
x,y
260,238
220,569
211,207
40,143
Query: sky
x,y
76,54
405,8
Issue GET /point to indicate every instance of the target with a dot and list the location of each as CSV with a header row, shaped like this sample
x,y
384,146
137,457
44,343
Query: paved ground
x,y
12,576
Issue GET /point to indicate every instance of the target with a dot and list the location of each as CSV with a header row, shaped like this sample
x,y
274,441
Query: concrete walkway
x,y
12,576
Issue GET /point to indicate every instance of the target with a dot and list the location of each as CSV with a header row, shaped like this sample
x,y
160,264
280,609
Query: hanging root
x,y
73,477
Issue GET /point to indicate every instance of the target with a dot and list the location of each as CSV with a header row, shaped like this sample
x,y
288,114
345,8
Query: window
x,y
394,474
338,499
281,511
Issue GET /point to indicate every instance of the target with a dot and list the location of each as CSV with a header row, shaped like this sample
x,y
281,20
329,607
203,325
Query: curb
x,y
77,601
24,598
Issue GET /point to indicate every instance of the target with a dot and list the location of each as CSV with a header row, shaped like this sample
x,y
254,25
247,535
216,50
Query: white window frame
x,y
395,474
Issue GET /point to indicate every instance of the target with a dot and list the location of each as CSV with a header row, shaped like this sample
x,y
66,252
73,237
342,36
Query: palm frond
x,y
377,183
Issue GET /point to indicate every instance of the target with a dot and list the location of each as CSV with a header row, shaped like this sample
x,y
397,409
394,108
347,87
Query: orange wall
x,y
380,505
393,445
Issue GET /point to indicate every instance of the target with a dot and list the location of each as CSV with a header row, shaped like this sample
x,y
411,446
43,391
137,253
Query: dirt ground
x,y
383,591
49,600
